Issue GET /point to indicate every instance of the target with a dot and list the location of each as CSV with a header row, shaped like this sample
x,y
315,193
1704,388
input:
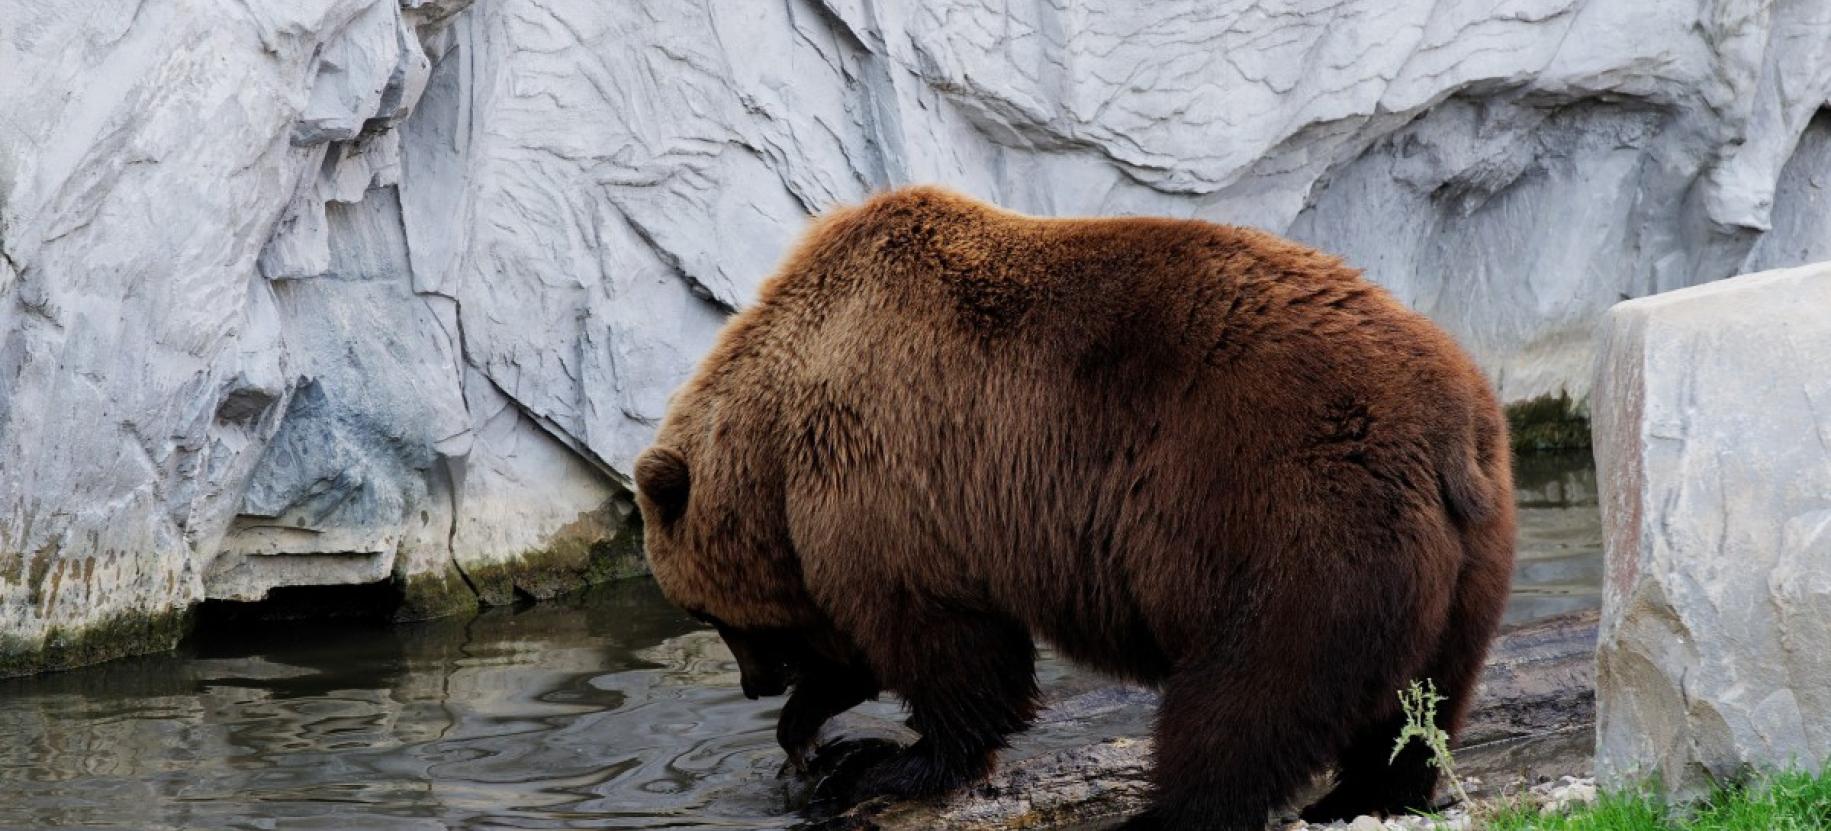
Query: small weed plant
x,y
1420,702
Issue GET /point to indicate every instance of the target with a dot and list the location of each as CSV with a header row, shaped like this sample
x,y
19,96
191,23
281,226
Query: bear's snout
x,y
763,666
762,687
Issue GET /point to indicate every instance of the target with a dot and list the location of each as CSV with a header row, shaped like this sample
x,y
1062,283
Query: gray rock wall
x,y
326,291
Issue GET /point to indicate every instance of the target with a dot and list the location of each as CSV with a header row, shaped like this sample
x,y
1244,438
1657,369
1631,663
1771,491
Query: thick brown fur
x,y
1195,456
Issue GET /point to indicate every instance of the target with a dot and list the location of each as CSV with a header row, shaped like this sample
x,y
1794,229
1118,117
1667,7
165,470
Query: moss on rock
x,y
1549,422
433,595
582,554
118,635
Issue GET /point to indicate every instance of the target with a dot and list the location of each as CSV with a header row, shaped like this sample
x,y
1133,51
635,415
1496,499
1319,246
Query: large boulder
x,y
1713,445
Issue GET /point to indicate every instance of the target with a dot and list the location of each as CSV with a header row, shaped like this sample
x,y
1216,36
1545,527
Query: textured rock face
x,y
1511,170
322,291
1713,445
220,372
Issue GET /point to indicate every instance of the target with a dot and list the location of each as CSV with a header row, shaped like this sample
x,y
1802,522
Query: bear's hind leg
x,y
1366,781
1369,779
1230,749
969,681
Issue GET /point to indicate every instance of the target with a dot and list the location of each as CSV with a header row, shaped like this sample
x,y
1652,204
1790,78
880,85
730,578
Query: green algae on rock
x,y
115,636
1548,422
598,547
433,595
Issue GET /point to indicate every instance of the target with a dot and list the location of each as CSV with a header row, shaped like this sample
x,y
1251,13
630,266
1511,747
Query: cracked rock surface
x,y
330,291
1713,451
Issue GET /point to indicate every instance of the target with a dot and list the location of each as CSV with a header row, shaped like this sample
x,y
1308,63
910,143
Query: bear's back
x,y
1156,306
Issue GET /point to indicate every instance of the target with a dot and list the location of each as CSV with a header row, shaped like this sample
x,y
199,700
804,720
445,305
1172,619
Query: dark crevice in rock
x,y
572,443
246,406
375,602
454,483
672,261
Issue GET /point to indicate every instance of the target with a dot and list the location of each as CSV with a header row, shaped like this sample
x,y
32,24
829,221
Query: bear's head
x,y
710,490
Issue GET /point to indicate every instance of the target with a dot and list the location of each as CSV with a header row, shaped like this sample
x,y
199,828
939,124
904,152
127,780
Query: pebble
x,y
1566,793
1452,820
1552,797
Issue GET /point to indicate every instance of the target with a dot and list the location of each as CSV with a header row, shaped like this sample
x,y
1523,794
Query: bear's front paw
x,y
918,771
798,737
826,788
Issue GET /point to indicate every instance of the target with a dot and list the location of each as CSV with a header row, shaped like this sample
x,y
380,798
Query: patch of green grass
x,y
1793,801
1613,812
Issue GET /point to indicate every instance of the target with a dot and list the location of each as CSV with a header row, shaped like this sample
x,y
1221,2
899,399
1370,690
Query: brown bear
x,y
1190,455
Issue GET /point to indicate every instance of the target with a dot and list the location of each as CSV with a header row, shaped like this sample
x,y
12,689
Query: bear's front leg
x,y
824,690
970,682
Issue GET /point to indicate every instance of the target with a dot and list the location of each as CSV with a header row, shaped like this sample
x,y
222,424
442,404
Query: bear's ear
x,y
663,477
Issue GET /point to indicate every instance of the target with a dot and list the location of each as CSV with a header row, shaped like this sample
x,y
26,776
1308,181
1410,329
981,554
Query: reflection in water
x,y
608,710
1559,561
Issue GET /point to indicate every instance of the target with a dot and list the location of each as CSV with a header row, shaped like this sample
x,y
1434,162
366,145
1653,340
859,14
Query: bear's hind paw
x,y
917,772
